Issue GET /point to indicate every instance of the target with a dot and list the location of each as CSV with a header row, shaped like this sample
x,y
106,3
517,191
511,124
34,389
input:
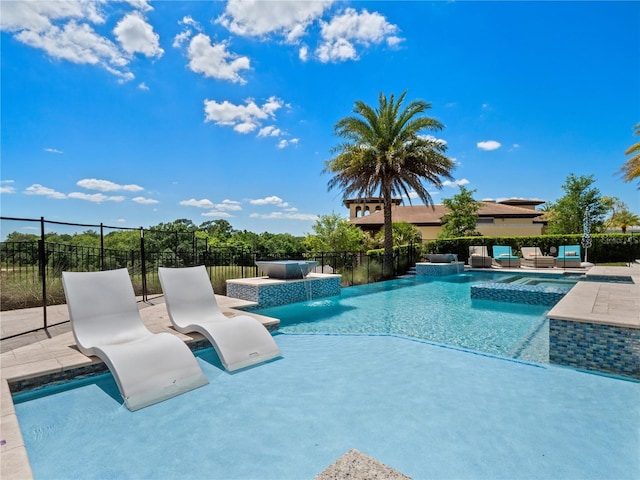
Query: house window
x,y
485,220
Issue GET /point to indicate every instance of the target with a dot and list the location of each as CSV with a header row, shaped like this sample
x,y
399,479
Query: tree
x,y
462,218
281,243
404,233
217,231
569,211
631,168
334,234
624,218
122,240
384,155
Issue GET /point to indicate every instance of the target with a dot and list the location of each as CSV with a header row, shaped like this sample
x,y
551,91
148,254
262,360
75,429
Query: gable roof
x,y
423,215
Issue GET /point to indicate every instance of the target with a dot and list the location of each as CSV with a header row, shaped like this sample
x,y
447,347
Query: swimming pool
x,y
438,309
427,411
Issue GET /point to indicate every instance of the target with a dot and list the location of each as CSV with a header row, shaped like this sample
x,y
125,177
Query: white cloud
x,y
96,197
228,205
204,203
63,31
413,194
270,131
243,118
141,5
345,31
285,143
144,201
216,214
37,189
7,189
286,216
431,138
338,50
394,41
188,20
489,145
455,183
78,43
245,127
215,61
143,86
303,53
52,150
137,36
38,16
273,200
106,185
258,18
187,33
182,37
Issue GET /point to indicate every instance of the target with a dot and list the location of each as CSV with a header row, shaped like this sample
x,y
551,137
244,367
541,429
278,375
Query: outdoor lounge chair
x,y
505,257
533,257
147,367
240,341
568,256
479,257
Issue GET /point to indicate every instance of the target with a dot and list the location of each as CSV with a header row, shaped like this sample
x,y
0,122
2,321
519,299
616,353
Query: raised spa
x,y
286,269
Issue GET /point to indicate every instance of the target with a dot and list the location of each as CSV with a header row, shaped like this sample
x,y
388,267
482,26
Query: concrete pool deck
x,y
41,353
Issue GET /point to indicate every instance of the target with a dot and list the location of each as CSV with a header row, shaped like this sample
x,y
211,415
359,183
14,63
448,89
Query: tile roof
x,y
425,215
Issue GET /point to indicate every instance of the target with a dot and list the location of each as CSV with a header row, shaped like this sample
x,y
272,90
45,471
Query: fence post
x,y
101,246
43,272
143,266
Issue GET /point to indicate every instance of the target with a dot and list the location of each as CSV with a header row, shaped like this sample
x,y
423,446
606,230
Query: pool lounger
x,y
240,341
479,257
503,255
147,367
532,257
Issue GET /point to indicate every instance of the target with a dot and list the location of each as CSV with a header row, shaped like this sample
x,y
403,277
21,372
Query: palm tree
x,y
384,155
631,168
624,219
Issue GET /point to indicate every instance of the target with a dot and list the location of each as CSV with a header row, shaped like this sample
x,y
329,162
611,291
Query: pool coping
x,y
596,302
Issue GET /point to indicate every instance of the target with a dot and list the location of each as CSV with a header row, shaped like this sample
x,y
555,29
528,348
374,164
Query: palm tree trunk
x,y
387,264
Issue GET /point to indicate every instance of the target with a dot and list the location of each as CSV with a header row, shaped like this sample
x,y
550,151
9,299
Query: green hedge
x,y
605,248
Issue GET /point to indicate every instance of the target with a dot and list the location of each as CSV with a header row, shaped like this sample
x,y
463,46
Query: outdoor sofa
x,y
568,256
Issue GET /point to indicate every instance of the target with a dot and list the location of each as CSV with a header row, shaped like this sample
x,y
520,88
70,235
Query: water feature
x,y
286,269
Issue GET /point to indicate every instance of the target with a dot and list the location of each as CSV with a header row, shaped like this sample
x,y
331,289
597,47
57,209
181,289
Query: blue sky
x,y
136,113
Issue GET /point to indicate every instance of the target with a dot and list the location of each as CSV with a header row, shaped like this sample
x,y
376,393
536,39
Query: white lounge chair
x,y
240,341
148,367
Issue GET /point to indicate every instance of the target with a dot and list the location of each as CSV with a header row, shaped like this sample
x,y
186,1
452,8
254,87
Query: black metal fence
x,y
36,266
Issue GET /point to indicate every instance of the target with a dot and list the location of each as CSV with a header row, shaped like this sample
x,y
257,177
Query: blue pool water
x,y
428,411
367,370
437,309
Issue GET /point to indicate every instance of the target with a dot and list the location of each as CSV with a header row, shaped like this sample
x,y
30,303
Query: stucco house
x,y
511,217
